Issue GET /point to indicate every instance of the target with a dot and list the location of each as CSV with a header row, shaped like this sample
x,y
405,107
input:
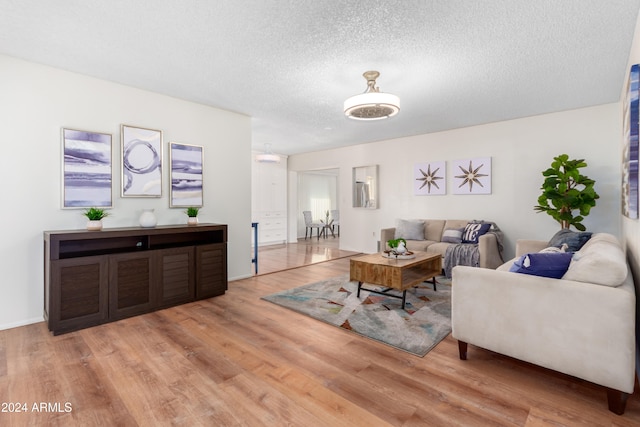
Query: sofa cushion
x,y
602,263
433,229
573,239
455,223
419,245
412,229
544,264
507,265
600,237
473,231
452,235
438,248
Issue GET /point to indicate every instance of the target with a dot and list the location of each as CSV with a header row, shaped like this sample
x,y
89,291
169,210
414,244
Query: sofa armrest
x,y
386,234
580,329
525,246
490,256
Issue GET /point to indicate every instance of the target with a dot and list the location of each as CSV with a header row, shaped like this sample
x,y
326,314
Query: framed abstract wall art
x,y
631,112
86,169
141,162
186,175
429,179
472,176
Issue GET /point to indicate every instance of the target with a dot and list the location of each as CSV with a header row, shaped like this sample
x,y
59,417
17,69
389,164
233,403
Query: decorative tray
x,y
393,255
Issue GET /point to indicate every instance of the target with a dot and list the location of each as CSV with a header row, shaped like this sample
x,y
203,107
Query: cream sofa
x,y
582,324
488,244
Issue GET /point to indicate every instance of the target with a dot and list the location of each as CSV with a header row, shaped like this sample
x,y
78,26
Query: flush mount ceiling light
x,y
372,104
267,156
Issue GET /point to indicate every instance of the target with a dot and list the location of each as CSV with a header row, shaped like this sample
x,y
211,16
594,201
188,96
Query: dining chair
x,y
335,215
310,225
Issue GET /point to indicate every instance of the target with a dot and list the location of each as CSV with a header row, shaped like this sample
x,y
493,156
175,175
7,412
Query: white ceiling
x,y
290,64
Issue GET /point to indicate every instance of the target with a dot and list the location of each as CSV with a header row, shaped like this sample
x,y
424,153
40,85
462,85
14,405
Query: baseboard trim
x,y
21,323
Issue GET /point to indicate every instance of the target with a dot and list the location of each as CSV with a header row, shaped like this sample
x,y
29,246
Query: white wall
x,y
36,102
520,150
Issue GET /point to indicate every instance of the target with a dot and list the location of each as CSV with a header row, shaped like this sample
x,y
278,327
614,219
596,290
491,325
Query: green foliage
x,y
393,243
565,190
192,212
95,214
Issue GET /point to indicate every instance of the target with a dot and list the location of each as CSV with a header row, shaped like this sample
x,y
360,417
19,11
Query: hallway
x,y
275,258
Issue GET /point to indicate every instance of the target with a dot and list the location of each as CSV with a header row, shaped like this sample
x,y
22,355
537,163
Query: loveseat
x,y
581,324
440,235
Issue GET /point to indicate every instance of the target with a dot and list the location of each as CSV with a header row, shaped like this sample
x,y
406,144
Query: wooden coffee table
x,y
398,274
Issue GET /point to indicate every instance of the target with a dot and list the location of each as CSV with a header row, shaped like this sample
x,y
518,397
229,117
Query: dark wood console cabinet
x,y
94,277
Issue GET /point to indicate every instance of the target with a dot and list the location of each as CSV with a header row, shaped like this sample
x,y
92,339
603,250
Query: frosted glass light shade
x,y
372,106
267,158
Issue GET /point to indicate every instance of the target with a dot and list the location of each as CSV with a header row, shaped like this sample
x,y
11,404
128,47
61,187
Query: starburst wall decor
x,y
472,176
429,179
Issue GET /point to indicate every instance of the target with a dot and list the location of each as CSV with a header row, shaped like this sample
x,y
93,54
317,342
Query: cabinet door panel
x,y
177,275
211,270
130,284
79,294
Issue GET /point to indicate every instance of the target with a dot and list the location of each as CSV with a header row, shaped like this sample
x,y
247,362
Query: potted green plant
x,y
192,214
95,215
566,190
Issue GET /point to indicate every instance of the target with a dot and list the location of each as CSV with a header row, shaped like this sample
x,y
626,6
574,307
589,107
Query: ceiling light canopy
x,y
267,156
372,104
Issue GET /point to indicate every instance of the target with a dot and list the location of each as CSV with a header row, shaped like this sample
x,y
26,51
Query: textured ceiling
x,y
290,64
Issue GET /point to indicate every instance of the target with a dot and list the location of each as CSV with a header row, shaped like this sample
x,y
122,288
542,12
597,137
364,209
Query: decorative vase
x,y
94,225
192,220
401,249
148,219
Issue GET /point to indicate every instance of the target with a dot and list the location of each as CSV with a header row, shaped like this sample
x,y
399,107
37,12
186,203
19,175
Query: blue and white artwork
x,y
87,170
630,149
186,175
141,162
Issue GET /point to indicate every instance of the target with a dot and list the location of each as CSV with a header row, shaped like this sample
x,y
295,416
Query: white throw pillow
x,y
410,229
602,263
553,249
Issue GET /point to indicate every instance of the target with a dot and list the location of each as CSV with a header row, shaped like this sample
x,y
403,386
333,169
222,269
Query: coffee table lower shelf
x,y
386,290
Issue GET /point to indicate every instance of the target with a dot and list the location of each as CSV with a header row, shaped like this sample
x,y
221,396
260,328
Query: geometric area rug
x,y
425,321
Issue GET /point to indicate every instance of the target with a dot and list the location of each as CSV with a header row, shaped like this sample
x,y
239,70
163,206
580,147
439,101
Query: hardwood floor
x,y
238,360
309,251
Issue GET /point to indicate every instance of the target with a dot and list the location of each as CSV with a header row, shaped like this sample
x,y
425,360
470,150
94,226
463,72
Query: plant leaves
x,y
565,190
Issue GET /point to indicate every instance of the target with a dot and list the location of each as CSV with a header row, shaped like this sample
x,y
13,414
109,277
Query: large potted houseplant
x,y
565,191
95,215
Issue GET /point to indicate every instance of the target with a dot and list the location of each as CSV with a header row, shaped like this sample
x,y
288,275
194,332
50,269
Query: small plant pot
x,y
192,220
94,225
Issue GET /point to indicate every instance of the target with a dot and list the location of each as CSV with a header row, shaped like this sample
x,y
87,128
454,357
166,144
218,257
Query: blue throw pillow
x,y
544,264
573,239
473,231
452,235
